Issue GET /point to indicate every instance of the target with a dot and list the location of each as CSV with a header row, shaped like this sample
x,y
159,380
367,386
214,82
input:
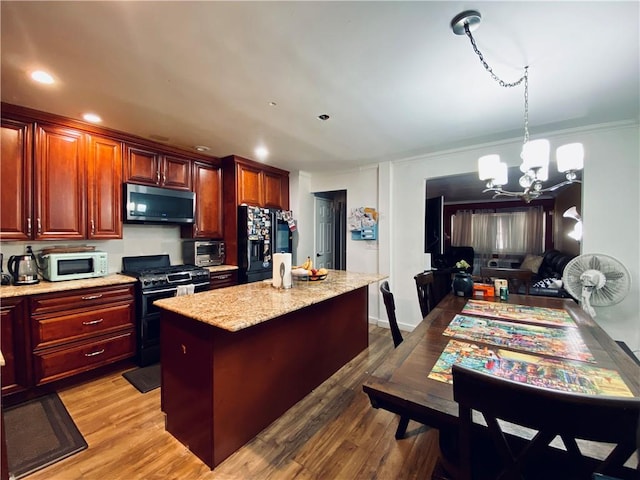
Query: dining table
x,y
415,379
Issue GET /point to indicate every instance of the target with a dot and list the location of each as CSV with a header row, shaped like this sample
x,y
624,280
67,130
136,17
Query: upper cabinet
x,y
251,183
255,184
104,188
207,185
60,183
16,163
148,167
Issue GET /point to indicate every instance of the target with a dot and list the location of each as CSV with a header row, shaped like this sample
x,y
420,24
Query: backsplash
x,y
137,240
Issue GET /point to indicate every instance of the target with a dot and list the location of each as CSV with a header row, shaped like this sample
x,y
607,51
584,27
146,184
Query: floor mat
x,y
39,433
144,379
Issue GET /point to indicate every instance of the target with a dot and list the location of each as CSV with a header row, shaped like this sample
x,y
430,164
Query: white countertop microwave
x,y
73,266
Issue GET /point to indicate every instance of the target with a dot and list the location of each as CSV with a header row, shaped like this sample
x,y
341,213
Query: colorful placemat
x,y
558,342
563,375
524,313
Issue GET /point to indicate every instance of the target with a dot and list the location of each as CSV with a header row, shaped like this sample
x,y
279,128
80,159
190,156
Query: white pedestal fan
x,y
596,279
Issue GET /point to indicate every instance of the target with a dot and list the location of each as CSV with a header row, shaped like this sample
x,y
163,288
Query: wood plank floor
x,y
333,433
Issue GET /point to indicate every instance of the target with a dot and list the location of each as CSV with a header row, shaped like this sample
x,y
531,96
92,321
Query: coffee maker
x,y
23,268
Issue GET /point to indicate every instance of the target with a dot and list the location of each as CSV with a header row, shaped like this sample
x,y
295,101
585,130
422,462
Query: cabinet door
x,y
250,185
15,181
16,371
104,188
276,191
60,179
207,184
176,173
142,166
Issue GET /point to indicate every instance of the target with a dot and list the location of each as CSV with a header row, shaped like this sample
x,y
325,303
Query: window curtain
x,y
503,233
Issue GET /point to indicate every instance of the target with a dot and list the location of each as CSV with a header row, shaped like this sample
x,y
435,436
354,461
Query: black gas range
x,y
157,279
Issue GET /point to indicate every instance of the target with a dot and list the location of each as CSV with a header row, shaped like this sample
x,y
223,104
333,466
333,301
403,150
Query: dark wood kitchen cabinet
x,y
80,330
16,165
207,185
60,183
16,373
251,183
148,167
257,184
104,188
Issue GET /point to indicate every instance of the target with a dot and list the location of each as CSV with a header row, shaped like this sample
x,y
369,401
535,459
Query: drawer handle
x,y
93,322
92,297
93,354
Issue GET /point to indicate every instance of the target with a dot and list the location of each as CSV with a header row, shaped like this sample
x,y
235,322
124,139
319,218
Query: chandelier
x,y
535,153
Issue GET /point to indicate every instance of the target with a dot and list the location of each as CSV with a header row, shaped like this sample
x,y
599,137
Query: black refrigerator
x,y
255,243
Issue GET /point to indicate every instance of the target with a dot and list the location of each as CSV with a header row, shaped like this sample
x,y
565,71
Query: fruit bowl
x,y
315,278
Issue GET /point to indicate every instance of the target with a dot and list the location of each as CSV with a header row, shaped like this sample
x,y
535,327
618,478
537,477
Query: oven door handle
x,y
164,290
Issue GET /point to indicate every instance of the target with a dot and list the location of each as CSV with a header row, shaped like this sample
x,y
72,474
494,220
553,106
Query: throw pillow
x,y
531,262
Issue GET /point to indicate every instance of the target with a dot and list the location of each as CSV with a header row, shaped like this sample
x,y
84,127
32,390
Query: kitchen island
x,y
235,359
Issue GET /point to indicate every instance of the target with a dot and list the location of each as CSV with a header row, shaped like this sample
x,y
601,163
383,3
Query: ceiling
x,y
394,79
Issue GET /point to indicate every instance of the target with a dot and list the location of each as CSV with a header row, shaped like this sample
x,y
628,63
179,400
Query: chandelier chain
x,y
524,78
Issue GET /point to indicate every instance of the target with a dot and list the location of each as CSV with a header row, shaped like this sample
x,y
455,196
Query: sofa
x,y
547,273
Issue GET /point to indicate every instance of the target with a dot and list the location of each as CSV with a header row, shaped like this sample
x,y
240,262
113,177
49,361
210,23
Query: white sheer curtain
x,y
507,232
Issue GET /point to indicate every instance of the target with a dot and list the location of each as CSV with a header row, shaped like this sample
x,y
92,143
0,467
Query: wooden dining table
x,y
401,384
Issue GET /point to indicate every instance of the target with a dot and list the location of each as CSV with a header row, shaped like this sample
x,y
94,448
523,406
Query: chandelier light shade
x,y
535,153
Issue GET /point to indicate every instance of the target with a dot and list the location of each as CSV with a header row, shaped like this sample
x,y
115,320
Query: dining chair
x,y
551,413
515,277
424,285
390,304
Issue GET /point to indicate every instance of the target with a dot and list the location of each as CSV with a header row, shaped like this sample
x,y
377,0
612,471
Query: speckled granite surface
x,y
44,286
242,306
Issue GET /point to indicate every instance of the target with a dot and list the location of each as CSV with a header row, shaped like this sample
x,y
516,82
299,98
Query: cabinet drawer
x,y
224,279
54,364
79,299
76,326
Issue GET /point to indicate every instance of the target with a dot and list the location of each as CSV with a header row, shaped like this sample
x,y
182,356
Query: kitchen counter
x,y
7,291
233,360
243,306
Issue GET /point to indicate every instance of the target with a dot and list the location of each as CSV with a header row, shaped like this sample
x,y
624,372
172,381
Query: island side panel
x,y
187,382
262,371
255,374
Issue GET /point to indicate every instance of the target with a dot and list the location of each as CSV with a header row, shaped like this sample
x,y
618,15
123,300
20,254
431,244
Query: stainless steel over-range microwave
x,y
144,204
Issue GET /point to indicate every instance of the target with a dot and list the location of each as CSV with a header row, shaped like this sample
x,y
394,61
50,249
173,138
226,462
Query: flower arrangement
x,y
462,264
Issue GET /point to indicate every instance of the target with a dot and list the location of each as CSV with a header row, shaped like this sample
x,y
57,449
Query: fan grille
x,y
618,279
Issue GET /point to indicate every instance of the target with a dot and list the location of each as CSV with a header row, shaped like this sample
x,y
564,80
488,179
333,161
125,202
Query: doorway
x,y
331,229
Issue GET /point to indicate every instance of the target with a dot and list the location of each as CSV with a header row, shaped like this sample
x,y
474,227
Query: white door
x,y
325,234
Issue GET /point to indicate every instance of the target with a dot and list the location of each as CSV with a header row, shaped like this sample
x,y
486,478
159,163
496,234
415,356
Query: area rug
x,y
39,433
144,379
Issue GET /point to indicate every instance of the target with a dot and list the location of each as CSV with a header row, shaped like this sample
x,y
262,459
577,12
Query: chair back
x,y
551,413
391,313
515,277
424,285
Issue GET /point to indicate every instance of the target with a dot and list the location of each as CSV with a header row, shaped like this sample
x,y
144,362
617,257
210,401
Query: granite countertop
x,y
45,286
242,306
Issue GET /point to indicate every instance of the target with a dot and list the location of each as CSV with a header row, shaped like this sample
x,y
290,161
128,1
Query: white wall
x,y
611,214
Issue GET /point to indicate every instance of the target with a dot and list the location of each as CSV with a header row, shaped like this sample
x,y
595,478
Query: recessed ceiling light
x,y
323,117
202,148
41,76
92,117
261,153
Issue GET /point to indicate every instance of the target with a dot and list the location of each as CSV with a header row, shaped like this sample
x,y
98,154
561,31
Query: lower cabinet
x,y
224,279
16,372
79,330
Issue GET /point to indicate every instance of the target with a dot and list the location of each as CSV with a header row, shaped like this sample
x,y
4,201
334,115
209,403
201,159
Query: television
x,y
434,226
